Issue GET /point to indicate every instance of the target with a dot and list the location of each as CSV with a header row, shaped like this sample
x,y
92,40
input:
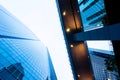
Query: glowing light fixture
x,y
68,30
64,13
71,45
78,75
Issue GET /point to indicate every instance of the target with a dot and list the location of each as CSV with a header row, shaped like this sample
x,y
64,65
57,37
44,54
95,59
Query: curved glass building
x,y
22,55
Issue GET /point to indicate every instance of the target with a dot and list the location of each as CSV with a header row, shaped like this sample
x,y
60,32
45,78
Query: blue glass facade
x,y
98,59
92,13
10,26
19,45
12,72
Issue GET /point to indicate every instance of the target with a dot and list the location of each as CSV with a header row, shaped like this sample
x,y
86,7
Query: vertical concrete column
x,y
71,23
81,61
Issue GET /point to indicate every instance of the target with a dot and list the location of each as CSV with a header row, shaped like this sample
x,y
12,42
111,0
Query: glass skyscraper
x,y
22,55
92,12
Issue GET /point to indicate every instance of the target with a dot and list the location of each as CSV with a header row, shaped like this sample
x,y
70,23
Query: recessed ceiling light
x,y
68,30
64,13
71,45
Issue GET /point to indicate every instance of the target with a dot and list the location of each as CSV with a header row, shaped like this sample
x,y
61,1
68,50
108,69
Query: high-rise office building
x,y
92,13
22,55
99,60
84,21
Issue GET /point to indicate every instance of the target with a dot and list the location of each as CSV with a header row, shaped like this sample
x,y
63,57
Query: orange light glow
x,y
68,30
64,13
78,75
71,45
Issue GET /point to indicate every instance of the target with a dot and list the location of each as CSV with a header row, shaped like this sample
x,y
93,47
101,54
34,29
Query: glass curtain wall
x,y
22,55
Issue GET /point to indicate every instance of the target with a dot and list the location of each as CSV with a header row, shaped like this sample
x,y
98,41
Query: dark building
x,y
21,51
90,20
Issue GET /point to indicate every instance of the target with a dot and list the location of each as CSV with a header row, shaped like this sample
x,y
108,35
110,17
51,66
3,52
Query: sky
x,y
41,17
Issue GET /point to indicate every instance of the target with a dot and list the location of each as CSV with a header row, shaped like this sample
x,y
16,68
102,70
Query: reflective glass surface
x,y
10,26
31,54
103,60
18,45
93,14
